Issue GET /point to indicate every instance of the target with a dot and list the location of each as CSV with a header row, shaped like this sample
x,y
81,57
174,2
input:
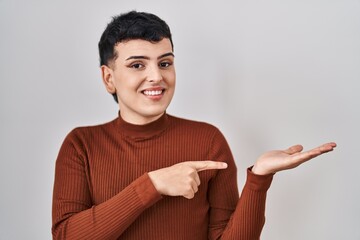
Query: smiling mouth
x,y
153,92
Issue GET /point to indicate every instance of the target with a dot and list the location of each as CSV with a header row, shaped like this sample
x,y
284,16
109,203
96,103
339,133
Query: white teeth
x,y
152,93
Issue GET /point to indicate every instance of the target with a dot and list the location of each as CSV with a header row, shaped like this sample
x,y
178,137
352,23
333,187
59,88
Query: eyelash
x,y
137,65
165,64
168,64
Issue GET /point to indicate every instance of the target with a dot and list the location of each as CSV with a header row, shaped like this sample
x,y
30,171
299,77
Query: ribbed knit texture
x,y
102,189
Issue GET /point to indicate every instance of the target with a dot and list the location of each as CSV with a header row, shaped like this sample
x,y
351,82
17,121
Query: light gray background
x,y
269,74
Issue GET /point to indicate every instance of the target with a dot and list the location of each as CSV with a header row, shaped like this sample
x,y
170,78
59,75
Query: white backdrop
x,y
269,74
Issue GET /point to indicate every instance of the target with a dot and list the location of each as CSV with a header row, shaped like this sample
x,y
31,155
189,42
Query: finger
x,y
194,187
197,179
306,156
206,165
326,147
333,144
320,150
189,196
294,149
299,158
190,192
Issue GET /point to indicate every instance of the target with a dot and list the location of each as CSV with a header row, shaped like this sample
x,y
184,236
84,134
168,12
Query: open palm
x,y
278,160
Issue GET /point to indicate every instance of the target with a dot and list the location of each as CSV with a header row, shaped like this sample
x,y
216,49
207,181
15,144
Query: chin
x,y
154,112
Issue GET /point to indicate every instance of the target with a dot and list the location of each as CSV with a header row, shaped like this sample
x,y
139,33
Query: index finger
x,y
206,165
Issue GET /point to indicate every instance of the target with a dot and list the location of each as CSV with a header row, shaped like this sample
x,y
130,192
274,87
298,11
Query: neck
x,y
136,120
142,131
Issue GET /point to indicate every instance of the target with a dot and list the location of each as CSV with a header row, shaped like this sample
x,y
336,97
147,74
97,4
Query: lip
x,y
153,89
154,97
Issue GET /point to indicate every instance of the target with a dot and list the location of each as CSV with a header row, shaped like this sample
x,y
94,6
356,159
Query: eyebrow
x,y
145,57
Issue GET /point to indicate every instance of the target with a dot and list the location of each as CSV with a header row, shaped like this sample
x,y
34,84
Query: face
x,y
143,77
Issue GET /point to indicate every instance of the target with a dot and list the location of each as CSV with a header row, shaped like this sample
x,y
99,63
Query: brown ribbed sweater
x,y
102,189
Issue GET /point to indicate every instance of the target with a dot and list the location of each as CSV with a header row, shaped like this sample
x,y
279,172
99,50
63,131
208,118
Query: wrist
x,y
258,170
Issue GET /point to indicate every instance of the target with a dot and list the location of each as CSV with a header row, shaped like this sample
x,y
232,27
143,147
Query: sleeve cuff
x,y
258,182
146,191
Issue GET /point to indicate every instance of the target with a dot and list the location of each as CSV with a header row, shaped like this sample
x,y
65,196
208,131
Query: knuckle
x,y
189,196
188,181
206,165
188,188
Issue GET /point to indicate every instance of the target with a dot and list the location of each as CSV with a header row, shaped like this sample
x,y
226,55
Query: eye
x,y
137,66
165,64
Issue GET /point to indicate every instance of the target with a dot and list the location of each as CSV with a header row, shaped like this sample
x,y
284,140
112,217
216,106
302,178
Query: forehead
x,y
139,47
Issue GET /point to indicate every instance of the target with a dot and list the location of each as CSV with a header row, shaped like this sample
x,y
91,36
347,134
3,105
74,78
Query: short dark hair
x,y
128,26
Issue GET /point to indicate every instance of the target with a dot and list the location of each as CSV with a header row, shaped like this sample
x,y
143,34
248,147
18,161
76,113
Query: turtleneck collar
x,y
142,131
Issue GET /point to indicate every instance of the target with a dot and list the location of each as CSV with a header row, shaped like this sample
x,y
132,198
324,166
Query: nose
x,y
154,74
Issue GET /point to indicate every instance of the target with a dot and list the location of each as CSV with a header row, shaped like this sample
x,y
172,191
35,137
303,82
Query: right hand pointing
x,y
182,179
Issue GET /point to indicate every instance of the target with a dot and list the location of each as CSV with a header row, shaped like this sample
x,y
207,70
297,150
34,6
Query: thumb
x,y
206,165
294,149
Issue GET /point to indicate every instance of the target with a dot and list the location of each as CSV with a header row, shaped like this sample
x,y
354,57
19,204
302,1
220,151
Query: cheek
x,y
128,84
171,78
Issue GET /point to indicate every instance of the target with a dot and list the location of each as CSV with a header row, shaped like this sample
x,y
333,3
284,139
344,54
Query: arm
x,y
249,216
74,215
231,217
248,219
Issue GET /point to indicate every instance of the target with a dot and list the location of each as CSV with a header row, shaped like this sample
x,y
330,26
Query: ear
x,y
107,75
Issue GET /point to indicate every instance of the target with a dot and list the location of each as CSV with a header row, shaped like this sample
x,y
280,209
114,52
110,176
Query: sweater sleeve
x,y
231,217
73,214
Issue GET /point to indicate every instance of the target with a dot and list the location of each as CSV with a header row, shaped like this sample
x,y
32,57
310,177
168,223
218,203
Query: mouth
x,y
154,93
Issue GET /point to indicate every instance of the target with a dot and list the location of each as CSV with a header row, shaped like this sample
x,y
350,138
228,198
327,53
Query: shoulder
x,y
83,133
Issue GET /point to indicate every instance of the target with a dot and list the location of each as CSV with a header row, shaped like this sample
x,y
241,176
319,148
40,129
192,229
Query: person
x,y
148,174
